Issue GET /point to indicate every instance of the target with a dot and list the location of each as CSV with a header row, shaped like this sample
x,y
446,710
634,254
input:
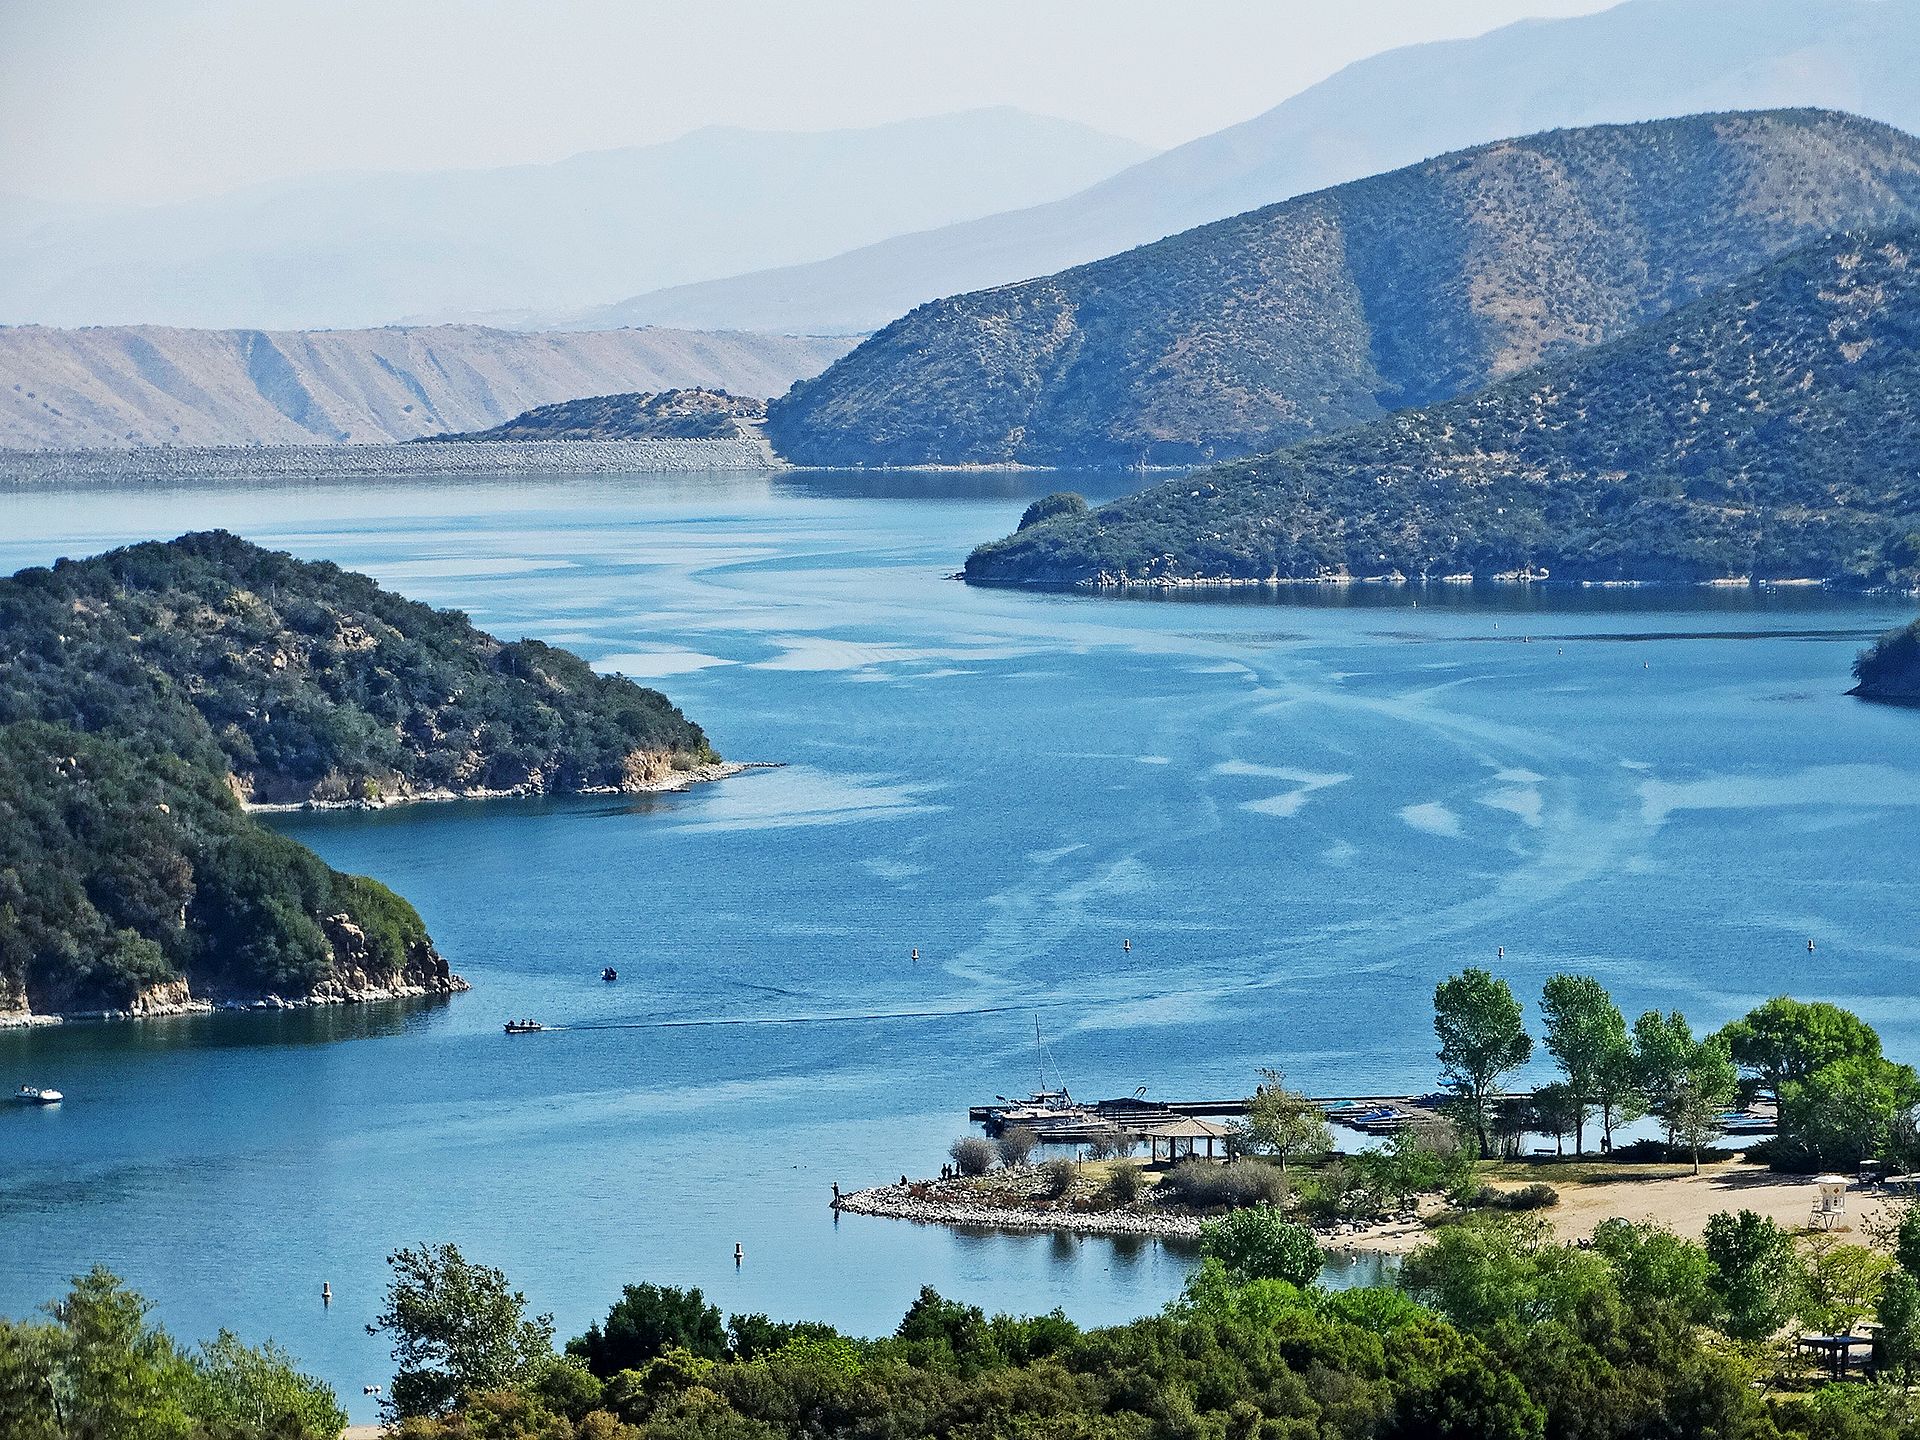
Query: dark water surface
x,y
1301,811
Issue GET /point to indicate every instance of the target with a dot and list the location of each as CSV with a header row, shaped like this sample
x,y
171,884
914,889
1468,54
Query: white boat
x,y
32,1095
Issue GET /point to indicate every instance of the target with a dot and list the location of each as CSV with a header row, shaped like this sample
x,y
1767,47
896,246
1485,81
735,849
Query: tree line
x,y
1840,1100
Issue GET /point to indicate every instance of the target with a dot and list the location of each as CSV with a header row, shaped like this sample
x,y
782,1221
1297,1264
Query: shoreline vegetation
x,y
1812,1074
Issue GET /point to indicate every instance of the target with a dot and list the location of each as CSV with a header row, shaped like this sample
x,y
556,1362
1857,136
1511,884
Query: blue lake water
x,y
1302,811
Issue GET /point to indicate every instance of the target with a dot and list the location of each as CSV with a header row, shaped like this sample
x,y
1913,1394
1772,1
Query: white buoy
x,y
738,1253
326,1293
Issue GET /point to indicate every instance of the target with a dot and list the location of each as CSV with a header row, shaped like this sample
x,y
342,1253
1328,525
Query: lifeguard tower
x,y
1830,1201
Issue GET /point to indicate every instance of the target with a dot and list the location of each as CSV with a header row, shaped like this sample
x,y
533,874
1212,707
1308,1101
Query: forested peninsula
x,y
1764,433
148,694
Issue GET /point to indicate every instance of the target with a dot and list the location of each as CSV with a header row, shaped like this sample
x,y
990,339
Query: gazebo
x,y
1182,1137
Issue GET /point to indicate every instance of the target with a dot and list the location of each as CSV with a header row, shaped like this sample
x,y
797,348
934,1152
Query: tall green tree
x,y
646,1322
1284,1123
1844,1111
1755,1280
456,1327
1787,1039
1688,1083
1584,1028
239,1385
1483,1041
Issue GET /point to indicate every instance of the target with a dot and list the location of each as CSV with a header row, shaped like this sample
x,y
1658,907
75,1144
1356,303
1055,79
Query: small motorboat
x,y
33,1095
524,1027
609,974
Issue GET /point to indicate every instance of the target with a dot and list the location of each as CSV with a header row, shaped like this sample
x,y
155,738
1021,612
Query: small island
x,y
1889,669
151,697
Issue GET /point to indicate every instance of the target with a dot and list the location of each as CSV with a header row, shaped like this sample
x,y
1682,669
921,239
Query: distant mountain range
x,y
508,243
1771,431
1643,60
1335,308
121,386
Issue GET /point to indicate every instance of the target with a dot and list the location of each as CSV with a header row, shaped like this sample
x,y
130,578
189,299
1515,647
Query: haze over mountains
x,y
1645,59
118,386
371,249
1332,309
1766,432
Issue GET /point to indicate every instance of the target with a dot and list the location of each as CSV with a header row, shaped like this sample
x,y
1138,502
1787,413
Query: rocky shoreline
x,y
961,1204
667,784
158,1008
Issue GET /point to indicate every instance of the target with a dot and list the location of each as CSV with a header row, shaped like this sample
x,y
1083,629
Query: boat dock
x,y
1056,1119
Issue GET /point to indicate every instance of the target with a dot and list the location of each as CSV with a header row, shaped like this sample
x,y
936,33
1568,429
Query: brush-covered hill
x,y
131,880
146,692
695,414
1771,431
308,682
1336,308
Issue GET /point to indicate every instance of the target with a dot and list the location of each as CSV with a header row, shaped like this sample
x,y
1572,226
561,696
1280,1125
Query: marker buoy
x,y
738,1253
916,954
326,1293
1127,945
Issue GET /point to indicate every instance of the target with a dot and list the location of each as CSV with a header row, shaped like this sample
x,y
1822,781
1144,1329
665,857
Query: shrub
x,y
1057,1177
1259,1243
1526,1197
1052,507
1015,1145
973,1155
1199,1185
1124,1183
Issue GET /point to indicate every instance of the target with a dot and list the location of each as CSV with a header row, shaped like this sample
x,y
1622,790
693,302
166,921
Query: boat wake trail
x,y
862,1018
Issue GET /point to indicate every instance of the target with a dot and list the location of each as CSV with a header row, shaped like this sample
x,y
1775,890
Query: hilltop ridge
x,y
1333,309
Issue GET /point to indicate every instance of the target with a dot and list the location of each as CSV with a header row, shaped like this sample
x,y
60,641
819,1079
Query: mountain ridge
x,y
1334,308
127,386
1641,60
354,249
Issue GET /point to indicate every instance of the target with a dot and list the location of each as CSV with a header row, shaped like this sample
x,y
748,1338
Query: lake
x,y
1302,810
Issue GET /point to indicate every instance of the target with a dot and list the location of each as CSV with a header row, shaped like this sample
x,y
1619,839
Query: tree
x,y
1284,1123
1654,1266
1840,1283
1788,1039
1482,1041
241,1385
1754,1278
646,1322
1699,1103
1555,1111
1493,1268
456,1327
97,1372
1898,1347
1688,1083
1617,1093
1584,1028
1844,1111
1260,1243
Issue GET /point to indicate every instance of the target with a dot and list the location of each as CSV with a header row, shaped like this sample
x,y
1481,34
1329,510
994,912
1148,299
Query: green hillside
x,y
309,682
1771,431
1333,309
669,415
144,692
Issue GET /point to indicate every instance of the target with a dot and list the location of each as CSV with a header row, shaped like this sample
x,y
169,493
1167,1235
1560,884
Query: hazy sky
x,y
150,99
